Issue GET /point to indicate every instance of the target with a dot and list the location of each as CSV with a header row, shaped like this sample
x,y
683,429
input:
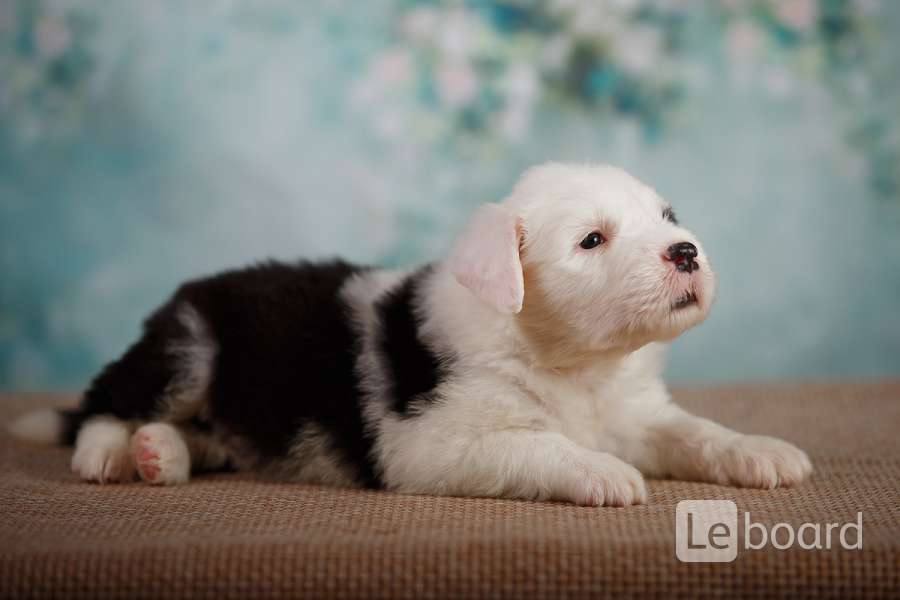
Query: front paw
x,y
604,480
759,461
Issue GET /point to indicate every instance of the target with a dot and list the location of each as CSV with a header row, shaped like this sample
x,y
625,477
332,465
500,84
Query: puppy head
x,y
589,260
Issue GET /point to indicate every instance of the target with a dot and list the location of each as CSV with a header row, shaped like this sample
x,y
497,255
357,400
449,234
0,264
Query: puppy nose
x,y
683,255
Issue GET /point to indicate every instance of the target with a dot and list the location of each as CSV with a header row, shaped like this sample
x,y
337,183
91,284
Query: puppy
x,y
526,366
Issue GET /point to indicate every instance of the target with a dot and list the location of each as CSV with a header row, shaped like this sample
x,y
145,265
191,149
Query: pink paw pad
x,y
160,454
147,459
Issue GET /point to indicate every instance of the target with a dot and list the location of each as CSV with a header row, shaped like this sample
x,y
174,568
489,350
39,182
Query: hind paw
x,y
101,452
103,465
161,455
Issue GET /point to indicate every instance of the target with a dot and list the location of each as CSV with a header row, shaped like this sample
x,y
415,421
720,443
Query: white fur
x,y
185,396
101,451
558,395
42,426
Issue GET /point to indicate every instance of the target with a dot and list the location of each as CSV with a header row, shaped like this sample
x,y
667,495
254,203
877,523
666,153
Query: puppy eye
x,y
669,215
593,239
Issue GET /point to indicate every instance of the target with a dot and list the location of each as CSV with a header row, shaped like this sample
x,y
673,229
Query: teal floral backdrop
x,y
142,143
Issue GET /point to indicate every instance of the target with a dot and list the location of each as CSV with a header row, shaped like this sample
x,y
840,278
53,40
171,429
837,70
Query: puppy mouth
x,y
688,299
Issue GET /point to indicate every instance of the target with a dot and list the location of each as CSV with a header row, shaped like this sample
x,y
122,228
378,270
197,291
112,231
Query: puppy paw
x,y
759,461
101,452
103,464
161,455
607,481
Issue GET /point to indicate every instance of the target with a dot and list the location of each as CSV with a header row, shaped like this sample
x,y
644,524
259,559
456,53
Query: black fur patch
x,y
286,357
414,368
669,215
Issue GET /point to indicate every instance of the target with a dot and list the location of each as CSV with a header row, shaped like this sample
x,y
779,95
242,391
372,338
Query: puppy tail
x,y
46,426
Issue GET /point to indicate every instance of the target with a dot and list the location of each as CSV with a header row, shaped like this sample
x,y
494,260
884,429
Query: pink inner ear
x,y
487,258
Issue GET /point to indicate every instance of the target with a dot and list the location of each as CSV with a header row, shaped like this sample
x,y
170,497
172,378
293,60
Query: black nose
x,y
683,255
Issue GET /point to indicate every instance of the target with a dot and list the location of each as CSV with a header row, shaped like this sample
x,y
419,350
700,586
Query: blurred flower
x,y
800,15
638,49
420,24
390,69
591,19
393,67
457,84
515,122
488,68
744,41
52,38
455,37
555,52
521,83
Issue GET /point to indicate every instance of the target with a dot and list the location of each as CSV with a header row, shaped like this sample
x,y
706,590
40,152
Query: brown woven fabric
x,y
230,536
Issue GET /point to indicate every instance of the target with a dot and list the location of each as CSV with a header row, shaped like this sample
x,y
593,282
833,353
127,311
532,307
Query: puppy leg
x,y
101,450
206,451
688,447
538,465
165,375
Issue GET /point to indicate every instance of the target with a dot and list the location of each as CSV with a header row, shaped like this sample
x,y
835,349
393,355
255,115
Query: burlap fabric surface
x,y
232,536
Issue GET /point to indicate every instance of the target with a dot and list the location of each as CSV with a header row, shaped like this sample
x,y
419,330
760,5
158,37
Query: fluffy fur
x,y
526,366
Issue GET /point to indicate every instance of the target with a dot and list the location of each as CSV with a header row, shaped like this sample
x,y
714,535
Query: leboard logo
x,y
707,531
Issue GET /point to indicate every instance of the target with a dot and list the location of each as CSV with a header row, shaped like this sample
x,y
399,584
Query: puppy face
x,y
589,259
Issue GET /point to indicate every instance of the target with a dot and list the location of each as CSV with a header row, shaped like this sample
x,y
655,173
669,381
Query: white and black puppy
x,y
526,366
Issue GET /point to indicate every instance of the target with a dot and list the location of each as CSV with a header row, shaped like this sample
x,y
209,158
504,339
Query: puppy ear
x,y
486,259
